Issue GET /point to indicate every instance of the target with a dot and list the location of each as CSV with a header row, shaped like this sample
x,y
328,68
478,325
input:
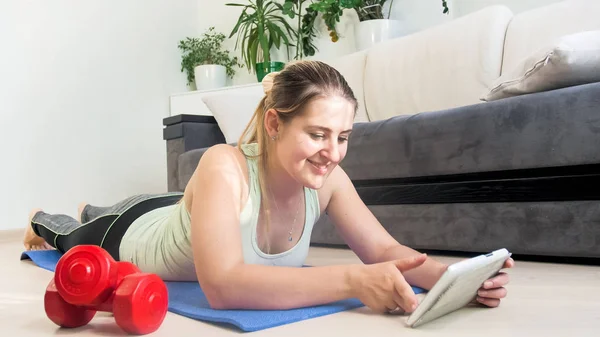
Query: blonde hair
x,y
288,92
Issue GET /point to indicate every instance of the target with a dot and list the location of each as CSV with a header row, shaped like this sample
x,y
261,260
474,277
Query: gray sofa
x,y
520,173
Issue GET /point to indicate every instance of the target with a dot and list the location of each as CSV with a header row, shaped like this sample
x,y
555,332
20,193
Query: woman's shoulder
x,y
220,163
222,156
222,148
336,181
224,165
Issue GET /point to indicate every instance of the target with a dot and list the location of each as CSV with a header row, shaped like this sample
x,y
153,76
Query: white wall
x,y
421,14
84,88
463,7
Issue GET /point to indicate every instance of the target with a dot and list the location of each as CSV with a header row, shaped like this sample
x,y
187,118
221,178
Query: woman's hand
x,y
493,289
382,287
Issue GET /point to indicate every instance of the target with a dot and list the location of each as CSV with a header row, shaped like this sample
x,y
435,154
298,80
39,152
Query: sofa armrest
x,y
184,133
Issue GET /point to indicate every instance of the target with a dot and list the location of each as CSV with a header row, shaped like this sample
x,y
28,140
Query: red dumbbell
x,y
87,279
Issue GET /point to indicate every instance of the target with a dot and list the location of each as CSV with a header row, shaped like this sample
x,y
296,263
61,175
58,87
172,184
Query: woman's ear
x,y
271,123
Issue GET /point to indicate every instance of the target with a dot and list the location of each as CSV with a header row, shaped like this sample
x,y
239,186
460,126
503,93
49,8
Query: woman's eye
x,y
342,139
316,136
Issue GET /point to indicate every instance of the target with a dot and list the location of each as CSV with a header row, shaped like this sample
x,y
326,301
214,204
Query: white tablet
x,y
458,286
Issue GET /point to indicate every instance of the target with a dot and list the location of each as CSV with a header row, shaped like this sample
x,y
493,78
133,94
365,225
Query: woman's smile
x,y
320,169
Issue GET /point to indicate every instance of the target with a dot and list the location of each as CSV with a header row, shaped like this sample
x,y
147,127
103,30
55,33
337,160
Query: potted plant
x,y
204,61
260,28
305,26
373,26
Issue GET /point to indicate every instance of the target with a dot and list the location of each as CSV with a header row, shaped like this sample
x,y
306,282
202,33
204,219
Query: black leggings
x,y
100,226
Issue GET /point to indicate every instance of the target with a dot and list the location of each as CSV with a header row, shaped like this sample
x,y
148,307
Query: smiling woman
x,y
242,227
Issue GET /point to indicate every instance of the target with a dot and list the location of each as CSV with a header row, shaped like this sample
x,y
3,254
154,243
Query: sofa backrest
x,y
442,67
536,28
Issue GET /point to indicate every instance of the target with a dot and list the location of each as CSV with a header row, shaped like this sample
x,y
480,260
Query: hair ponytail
x,y
254,132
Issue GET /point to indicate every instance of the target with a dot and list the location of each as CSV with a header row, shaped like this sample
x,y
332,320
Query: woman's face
x,y
311,145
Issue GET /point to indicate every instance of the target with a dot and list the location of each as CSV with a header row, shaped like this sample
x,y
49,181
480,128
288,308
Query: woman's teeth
x,y
320,167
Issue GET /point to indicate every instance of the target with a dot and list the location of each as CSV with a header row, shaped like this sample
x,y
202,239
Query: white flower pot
x,y
210,76
367,33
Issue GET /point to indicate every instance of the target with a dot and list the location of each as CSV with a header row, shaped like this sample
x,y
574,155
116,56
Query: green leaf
x,y
278,30
239,22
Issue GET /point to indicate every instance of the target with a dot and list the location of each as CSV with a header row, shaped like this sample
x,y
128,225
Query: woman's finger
x,y
494,293
405,296
400,304
497,281
490,302
393,305
509,263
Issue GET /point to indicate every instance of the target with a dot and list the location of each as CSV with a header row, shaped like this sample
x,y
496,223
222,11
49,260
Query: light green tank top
x,y
159,241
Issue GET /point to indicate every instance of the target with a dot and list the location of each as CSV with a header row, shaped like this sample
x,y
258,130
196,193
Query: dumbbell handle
x,y
124,269
106,306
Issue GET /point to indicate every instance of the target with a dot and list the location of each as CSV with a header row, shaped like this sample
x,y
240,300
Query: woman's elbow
x,y
218,295
219,285
217,302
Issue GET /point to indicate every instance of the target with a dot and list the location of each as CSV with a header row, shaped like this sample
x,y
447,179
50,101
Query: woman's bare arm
x,y
366,236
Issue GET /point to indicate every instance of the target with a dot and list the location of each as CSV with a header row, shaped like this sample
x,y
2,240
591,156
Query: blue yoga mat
x,y
187,299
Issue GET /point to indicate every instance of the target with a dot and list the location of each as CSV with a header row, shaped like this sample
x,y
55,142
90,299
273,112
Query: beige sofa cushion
x,y
571,60
233,108
534,29
352,68
442,67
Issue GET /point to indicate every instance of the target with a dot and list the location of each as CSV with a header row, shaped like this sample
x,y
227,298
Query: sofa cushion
x,y
531,30
352,68
571,60
234,108
552,128
442,67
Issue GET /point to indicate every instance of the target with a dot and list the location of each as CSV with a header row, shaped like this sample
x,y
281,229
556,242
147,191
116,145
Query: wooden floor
x,y
545,299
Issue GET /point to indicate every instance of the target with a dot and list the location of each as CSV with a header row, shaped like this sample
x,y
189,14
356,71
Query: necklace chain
x,y
290,238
